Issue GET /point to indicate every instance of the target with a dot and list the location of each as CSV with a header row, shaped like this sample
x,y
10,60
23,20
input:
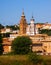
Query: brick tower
x,y
23,24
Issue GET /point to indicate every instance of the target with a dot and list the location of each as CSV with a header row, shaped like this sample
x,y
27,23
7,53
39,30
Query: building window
x,y
37,44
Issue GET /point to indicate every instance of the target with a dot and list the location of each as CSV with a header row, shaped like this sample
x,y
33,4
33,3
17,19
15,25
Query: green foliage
x,y
0,38
45,31
1,26
13,27
21,45
21,60
35,59
1,46
1,49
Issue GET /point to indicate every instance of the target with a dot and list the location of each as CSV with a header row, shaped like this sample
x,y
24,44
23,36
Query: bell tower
x,y
32,27
23,24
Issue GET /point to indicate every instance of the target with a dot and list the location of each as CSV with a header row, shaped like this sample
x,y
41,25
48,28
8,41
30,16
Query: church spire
x,y
32,19
32,26
23,24
23,13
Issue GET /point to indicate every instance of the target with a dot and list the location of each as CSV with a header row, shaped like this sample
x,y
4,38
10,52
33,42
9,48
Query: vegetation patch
x,y
22,60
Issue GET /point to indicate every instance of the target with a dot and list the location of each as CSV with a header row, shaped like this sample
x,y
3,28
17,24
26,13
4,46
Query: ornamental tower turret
x,y
23,24
32,26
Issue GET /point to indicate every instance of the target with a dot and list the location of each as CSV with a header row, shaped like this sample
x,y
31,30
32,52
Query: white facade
x,y
8,30
36,30
31,29
28,30
5,30
12,36
48,26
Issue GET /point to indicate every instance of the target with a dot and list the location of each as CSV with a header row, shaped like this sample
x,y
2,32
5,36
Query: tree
x,y
13,27
21,45
0,38
1,26
45,31
1,45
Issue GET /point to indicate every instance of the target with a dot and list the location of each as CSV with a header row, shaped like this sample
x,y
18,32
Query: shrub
x,y
35,59
21,45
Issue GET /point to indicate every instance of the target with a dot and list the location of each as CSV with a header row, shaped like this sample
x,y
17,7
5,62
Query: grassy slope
x,y
12,60
18,60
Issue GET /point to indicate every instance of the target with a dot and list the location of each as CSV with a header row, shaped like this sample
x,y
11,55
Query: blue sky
x,y
11,11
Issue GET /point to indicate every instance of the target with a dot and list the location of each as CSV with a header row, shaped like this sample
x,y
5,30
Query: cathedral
x,y
28,29
41,42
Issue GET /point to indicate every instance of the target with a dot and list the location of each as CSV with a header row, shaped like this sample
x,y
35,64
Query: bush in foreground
x,y
35,59
21,45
